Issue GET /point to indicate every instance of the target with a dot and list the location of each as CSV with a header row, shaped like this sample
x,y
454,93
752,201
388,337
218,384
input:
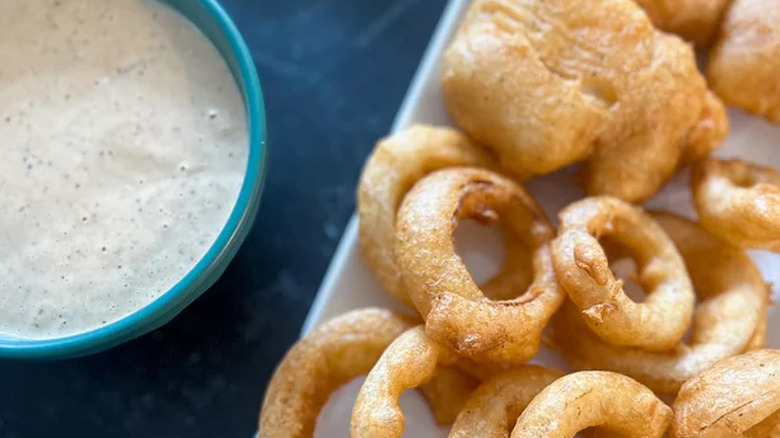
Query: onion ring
x,y
745,59
494,407
331,355
583,272
695,20
600,399
738,202
455,310
396,163
408,362
730,318
737,397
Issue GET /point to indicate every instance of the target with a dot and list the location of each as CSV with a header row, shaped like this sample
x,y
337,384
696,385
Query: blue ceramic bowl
x,y
212,20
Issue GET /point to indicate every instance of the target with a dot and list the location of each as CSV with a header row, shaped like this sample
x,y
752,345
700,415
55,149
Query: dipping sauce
x,y
123,144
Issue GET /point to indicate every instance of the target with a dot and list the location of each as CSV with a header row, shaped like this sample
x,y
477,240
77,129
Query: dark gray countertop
x,y
334,73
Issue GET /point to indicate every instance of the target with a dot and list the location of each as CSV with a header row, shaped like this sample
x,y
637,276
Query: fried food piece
x,y
410,361
745,61
758,341
396,163
730,317
695,20
500,88
494,407
333,354
737,397
708,133
548,83
594,399
583,271
455,310
448,392
739,202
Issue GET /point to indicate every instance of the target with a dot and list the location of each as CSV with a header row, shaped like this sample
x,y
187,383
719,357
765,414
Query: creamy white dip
x,y
123,145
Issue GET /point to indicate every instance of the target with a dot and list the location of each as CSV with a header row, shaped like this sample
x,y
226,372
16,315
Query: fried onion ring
x,y
745,60
708,133
333,354
695,20
410,361
584,273
455,310
737,397
494,407
730,318
396,163
738,202
588,399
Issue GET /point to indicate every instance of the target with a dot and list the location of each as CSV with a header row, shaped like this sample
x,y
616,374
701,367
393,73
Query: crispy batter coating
x,y
456,311
494,407
710,131
547,83
583,271
448,392
594,399
333,354
695,20
396,163
730,317
745,61
739,202
737,397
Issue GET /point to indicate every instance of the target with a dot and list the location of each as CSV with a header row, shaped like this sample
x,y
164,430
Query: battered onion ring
x,y
333,354
455,310
694,20
408,362
738,202
730,318
737,397
583,272
594,399
494,407
758,340
396,163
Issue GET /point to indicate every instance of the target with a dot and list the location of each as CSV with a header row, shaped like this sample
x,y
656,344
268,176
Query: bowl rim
x,y
197,280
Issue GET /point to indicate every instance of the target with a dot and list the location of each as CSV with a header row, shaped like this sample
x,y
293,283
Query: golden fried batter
x,y
744,66
708,133
547,83
694,20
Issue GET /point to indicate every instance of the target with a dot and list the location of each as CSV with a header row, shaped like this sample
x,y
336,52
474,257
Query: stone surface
x,y
334,73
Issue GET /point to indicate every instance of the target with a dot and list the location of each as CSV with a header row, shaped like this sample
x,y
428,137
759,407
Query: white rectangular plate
x,y
349,283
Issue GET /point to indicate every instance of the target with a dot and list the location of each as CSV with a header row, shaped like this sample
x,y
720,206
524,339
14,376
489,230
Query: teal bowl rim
x,y
216,259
